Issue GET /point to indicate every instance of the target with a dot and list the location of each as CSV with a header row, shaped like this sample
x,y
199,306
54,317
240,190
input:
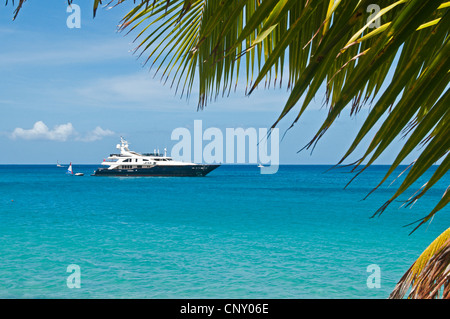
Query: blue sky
x,y
83,88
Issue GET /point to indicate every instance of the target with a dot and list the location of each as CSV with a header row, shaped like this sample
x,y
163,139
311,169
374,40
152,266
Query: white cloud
x,y
41,131
62,132
97,134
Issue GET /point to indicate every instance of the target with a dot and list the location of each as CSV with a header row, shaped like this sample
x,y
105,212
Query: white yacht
x,y
130,163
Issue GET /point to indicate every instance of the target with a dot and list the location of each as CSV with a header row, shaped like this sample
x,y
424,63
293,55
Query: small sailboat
x,y
58,165
70,171
260,165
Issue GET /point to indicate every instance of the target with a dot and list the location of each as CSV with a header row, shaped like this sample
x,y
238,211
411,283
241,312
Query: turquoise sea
x,y
232,234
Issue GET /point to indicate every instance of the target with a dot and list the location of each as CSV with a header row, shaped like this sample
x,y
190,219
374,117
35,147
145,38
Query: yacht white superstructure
x,y
130,163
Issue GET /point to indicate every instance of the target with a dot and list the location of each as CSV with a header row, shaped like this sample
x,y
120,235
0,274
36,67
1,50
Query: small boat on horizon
x,y
58,165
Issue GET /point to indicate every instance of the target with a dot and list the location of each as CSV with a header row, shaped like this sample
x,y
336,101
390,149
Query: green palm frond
x,y
319,42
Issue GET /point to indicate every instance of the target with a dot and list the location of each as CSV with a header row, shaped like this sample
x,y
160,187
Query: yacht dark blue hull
x,y
159,170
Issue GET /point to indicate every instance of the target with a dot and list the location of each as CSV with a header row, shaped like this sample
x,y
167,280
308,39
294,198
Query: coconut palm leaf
x,y
330,42
429,276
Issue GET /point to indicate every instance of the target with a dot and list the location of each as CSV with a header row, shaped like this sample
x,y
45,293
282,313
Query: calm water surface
x,y
233,234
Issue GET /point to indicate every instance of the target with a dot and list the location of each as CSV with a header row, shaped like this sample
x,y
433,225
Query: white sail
x,y
69,170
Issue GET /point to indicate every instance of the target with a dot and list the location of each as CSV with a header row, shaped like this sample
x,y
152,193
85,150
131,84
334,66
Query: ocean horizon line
x,y
222,164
